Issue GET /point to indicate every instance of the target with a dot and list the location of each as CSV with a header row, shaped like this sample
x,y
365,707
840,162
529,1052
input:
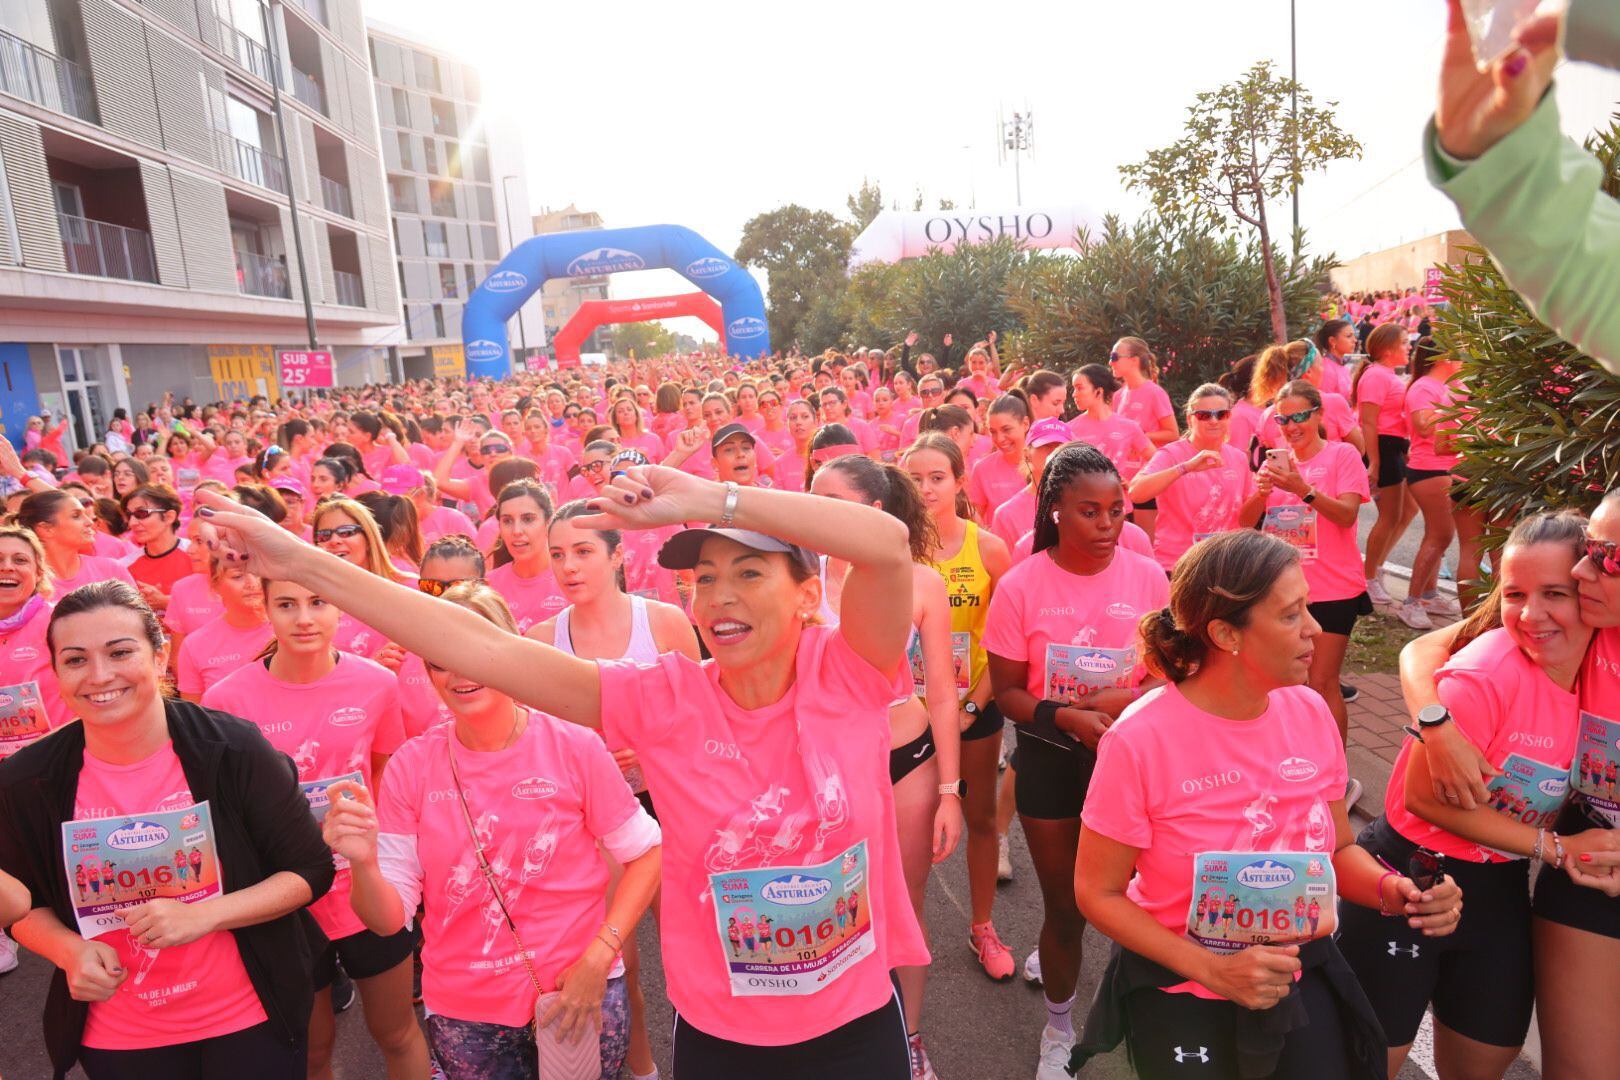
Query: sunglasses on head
x,y
342,532
145,512
1605,555
1211,414
435,587
1295,417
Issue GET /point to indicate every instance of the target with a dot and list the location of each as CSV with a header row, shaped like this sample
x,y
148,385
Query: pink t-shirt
x,y
1505,704
1015,517
539,806
1075,634
554,464
1148,405
25,657
1328,552
793,785
1599,684
994,481
888,430
652,445
214,650
1121,440
1335,376
1381,386
329,727
1429,393
443,521
642,574
419,704
92,568
1337,418
1131,538
532,599
1173,780
790,470
175,995
222,467
1197,504
354,636
779,442
1245,424
192,602
109,546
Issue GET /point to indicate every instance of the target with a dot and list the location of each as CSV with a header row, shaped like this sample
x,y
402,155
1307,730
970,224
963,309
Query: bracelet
x,y
1535,853
1558,851
614,930
730,510
1381,909
614,949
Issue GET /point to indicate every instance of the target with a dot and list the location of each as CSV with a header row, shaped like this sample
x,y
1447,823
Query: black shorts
x,y
903,759
1417,476
364,955
1179,1036
870,1047
1145,504
988,725
1339,616
1052,781
1561,901
256,1053
1479,979
1392,451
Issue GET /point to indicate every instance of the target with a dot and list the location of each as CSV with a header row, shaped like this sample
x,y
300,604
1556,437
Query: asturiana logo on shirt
x,y
137,836
534,787
1265,874
1296,769
795,890
348,716
24,652
1120,610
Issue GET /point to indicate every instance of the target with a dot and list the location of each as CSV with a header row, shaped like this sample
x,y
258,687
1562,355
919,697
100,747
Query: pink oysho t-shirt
x,y
92,568
1245,424
539,807
1429,393
1059,623
994,481
191,604
420,706
1148,405
1173,780
1329,553
1197,504
214,650
354,636
180,994
1381,386
1015,517
25,659
793,785
642,574
532,599
443,521
1599,683
329,728
1505,704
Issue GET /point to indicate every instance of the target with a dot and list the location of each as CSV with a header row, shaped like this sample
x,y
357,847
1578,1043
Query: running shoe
x,y
1442,605
1055,1050
344,993
921,1067
1352,793
1032,966
1003,859
1412,614
1348,692
8,955
993,954
1377,593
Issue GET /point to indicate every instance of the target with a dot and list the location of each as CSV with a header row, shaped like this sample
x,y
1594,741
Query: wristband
x,y
1044,724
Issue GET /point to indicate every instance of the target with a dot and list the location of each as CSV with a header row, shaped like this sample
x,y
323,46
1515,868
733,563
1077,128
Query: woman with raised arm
x,y
770,761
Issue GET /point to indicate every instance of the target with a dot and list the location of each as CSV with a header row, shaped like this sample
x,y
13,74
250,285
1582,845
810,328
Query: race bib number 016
x,y
22,717
1529,791
1243,898
787,931
117,863
1593,773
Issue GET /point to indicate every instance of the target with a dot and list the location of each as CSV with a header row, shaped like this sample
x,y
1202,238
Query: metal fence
x,y
335,197
44,78
349,291
103,249
253,164
252,55
260,275
308,91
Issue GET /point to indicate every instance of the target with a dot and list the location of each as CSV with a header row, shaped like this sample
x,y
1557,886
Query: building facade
x,y
561,297
456,193
146,238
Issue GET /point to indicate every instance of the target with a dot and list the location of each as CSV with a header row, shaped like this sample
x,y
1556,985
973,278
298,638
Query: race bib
x,y
1529,791
1294,526
116,863
1592,773
1075,671
315,792
22,717
961,664
787,931
1261,898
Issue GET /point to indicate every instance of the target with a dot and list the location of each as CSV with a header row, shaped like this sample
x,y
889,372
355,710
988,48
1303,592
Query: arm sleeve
x,y
390,731
1004,632
187,675
1117,801
1535,201
401,867
639,705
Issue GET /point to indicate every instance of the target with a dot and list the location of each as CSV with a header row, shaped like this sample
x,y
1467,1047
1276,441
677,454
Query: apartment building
x,y
456,191
561,297
146,237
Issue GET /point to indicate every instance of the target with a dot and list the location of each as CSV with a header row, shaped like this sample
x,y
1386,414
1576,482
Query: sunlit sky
x,y
706,114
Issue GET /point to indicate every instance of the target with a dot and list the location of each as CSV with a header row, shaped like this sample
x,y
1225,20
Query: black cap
x,y
681,551
727,432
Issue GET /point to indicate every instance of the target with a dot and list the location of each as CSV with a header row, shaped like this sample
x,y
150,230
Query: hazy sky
x,y
706,114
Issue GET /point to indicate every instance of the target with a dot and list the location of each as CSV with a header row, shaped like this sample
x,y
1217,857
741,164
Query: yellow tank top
x,y
968,585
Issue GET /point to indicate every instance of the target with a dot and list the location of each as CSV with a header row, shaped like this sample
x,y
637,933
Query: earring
x,y
1234,652
1054,517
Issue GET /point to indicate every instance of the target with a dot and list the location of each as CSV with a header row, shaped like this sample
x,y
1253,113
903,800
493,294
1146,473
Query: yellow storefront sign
x,y
240,371
449,361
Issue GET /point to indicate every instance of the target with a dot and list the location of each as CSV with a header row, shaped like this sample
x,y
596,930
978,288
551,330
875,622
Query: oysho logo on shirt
x,y
534,787
1042,613
348,716
1526,738
1210,781
1296,769
716,748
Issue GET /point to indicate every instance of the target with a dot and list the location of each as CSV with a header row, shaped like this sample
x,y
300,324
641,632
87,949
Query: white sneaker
x,y
1377,593
1032,967
1055,1050
1352,793
1003,860
1412,614
1442,605
8,955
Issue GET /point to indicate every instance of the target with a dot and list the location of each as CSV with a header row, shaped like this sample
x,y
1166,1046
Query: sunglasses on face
x,y
1605,555
1211,414
933,391
593,466
1295,417
146,512
1116,356
497,448
434,587
342,532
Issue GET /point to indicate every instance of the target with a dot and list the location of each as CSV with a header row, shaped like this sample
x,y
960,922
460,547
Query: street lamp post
x,y
1293,74
511,240
1017,137
286,167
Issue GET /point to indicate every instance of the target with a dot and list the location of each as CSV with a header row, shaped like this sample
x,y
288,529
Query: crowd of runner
x,y
438,688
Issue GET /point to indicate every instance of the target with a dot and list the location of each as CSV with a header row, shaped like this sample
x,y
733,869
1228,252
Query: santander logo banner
x,y
894,235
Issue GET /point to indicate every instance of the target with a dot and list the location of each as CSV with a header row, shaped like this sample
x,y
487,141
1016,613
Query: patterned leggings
x,y
468,1050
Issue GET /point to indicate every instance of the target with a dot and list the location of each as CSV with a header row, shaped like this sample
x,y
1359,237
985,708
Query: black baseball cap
x,y
727,432
682,551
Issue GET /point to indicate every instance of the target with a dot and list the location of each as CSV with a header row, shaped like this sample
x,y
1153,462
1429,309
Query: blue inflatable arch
x,y
596,252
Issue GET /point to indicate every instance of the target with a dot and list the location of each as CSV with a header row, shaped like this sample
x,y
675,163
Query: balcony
x,y
335,197
308,91
101,249
260,275
28,71
251,55
248,162
349,291
317,9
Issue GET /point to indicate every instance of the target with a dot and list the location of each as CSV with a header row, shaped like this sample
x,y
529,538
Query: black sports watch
x,y
1428,717
971,708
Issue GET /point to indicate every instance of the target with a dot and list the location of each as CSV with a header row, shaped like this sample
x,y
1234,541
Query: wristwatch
x,y
1309,496
959,789
1430,716
971,708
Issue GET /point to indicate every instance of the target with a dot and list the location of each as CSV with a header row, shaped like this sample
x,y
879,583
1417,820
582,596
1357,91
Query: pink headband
x,y
837,450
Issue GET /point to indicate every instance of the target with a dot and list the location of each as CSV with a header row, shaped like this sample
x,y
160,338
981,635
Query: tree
x,y
1244,144
1191,290
644,339
865,204
804,253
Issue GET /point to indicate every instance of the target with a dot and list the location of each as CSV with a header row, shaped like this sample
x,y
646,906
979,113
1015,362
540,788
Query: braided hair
x,y
1067,462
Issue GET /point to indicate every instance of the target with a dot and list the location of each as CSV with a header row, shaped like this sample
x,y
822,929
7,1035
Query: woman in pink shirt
x,y
1142,399
1276,367
1336,342
1120,438
1046,394
521,565
748,414
998,477
1379,397
1015,517
1430,396
1511,691
67,530
769,762
886,424
1062,672
345,528
1201,484
631,435
1235,758
233,640
26,677
773,430
976,445
792,466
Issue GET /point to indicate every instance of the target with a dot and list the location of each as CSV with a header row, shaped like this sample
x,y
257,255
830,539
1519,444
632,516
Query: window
x,y
438,320
444,117
430,156
436,238
492,243
402,194
243,122
400,267
402,108
427,71
444,200
68,199
407,160
472,278
447,280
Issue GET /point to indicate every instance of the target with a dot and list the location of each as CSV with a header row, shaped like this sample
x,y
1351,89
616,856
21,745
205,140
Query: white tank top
x,y
642,648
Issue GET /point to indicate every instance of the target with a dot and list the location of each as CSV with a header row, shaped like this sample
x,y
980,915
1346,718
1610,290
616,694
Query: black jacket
x,y
262,825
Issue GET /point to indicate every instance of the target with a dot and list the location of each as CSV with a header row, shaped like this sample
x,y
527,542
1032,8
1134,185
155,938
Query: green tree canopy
x,y
644,339
803,253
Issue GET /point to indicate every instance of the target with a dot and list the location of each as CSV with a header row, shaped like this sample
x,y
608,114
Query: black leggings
x,y
254,1053
870,1047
